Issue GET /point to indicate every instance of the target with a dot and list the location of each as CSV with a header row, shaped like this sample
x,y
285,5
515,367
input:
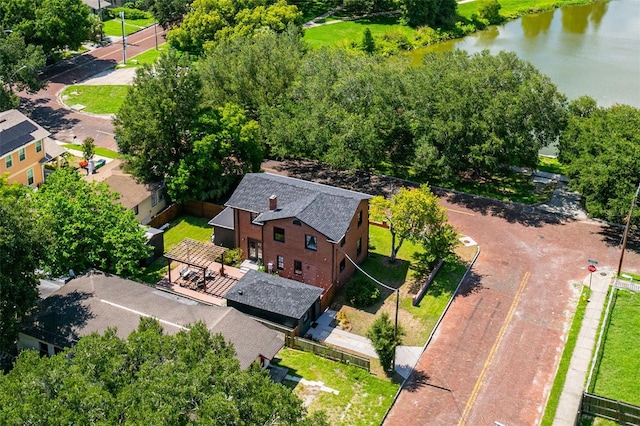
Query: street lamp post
x,y
626,230
124,40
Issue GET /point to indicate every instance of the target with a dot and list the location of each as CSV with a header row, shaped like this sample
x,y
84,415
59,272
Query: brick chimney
x,y
273,202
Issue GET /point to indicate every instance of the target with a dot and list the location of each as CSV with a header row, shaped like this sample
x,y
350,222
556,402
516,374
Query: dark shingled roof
x,y
94,302
224,219
327,209
17,130
272,293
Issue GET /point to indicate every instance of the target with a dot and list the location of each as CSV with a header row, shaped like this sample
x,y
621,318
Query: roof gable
x,y
327,209
275,294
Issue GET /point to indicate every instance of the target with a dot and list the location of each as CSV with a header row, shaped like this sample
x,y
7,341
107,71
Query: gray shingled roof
x,y
272,293
327,209
17,130
224,219
94,302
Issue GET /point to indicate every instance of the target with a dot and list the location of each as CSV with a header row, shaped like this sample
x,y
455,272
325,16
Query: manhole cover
x,y
603,274
504,262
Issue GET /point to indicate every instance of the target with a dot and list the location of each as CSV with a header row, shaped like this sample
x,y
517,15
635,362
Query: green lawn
x,y
512,9
113,27
567,353
314,8
181,228
352,31
362,399
103,152
551,165
96,99
617,374
149,57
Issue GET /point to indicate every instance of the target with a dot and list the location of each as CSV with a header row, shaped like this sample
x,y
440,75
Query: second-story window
x,y
38,146
8,161
360,218
22,154
278,234
311,242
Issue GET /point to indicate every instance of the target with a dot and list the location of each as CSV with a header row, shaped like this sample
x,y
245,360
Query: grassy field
x,y
352,31
146,58
563,367
113,27
512,9
96,99
551,165
362,399
103,152
417,321
181,228
617,373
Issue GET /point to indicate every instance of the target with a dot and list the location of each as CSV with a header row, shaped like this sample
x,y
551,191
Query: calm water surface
x,y
586,50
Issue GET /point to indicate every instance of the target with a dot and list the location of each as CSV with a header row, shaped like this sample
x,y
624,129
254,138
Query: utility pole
x,y
626,230
124,41
155,32
100,15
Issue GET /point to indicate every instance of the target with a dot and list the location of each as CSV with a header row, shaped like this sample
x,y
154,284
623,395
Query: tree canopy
x,y
22,247
211,21
19,64
415,215
91,229
191,377
435,13
602,149
385,338
168,12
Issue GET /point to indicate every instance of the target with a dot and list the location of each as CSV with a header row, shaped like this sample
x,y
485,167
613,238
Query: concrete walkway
x,y
579,367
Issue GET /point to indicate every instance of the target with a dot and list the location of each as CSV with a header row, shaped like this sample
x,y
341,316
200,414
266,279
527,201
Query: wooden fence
x,y
327,352
618,411
193,208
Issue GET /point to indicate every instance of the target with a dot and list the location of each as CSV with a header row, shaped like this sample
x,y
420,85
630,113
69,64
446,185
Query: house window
x,y
30,177
343,241
38,146
343,263
8,161
297,267
22,154
296,222
278,234
154,198
359,246
135,210
360,218
311,242
44,349
305,318
57,350
160,194
280,262
253,216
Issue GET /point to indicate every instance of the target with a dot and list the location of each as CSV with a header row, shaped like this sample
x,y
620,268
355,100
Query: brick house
x,y
299,229
22,148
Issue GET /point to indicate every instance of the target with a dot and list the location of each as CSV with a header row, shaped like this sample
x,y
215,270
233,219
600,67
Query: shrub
x,y
233,257
385,339
362,292
128,13
490,10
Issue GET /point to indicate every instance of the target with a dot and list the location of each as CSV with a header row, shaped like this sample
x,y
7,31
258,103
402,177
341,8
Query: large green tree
x,y
435,13
168,12
190,378
602,149
415,215
154,127
19,64
219,160
51,24
211,21
385,338
91,229
22,247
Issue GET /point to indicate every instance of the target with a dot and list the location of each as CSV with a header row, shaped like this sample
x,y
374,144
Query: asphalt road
x,y
45,108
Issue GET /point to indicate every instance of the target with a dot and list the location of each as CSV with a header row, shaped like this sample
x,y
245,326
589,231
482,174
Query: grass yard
x,y
103,152
616,376
181,228
362,400
346,32
563,367
314,8
512,9
551,165
417,321
149,57
96,99
113,27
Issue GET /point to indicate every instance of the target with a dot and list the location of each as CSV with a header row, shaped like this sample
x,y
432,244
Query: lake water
x,y
586,50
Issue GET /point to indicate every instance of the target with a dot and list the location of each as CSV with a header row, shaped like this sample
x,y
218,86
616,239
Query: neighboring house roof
x,y
51,150
96,301
17,130
327,209
224,219
275,294
131,191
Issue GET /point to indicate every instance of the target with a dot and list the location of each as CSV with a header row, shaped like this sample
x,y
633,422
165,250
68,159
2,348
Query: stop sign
x,y
592,268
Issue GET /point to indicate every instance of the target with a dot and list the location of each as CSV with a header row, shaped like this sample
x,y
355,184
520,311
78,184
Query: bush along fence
x,y
420,294
618,411
327,352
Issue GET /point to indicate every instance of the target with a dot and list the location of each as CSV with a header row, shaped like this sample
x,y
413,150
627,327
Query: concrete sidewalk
x,y
579,367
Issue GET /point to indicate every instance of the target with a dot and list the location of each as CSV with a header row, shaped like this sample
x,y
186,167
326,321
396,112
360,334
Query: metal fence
x,y
618,411
327,352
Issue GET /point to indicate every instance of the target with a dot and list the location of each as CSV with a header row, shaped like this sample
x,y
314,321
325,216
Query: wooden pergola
x,y
198,255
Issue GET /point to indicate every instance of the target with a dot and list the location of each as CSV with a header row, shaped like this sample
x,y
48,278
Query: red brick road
x,y
63,123
494,356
